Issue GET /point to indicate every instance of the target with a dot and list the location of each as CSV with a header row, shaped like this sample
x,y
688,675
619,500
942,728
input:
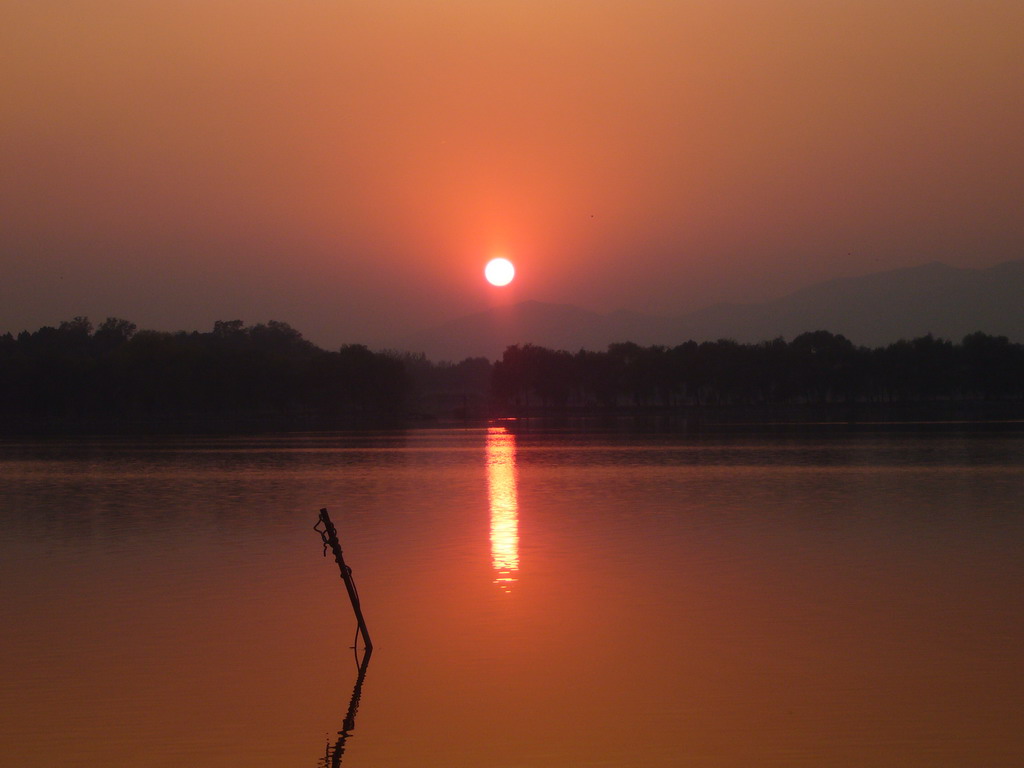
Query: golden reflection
x,y
501,492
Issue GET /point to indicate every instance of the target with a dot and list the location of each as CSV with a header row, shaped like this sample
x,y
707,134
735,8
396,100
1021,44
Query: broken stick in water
x,y
329,534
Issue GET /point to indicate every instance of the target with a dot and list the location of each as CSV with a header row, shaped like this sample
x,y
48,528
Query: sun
x,y
499,271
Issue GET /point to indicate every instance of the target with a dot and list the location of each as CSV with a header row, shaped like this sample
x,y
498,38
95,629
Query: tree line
x,y
270,375
234,372
815,368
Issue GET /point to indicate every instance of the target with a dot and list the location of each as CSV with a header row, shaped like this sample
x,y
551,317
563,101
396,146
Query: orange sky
x,y
349,166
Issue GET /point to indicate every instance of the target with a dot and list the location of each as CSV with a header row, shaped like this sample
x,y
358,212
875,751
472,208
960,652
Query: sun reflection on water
x,y
501,492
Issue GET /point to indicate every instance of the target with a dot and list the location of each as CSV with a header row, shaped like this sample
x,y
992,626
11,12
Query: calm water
x,y
534,600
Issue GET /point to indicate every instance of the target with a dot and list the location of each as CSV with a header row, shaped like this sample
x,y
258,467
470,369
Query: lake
x,y
535,598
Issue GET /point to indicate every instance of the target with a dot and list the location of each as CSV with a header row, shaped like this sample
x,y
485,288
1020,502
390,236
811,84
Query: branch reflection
x,y
334,752
504,503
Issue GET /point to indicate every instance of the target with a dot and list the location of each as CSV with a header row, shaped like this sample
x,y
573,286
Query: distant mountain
x,y
487,334
880,308
871,310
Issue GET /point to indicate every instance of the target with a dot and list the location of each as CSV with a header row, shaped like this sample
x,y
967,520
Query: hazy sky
x,y
348,166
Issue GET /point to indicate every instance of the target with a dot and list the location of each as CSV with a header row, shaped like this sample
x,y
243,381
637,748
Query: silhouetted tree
x,y
825,364
993,368
816,367
236,372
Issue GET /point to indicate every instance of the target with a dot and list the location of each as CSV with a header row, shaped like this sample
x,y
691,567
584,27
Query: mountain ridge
x,y
871,310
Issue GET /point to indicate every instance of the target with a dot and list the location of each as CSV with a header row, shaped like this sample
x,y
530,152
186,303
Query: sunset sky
x,y
349,166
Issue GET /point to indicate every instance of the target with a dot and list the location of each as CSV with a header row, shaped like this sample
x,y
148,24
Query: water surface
x,y
535,599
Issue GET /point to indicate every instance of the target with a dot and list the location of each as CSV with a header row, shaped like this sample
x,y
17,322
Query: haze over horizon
x,y
349,169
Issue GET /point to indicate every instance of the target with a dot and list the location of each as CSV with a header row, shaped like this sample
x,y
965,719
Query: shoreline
x,y
941,416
